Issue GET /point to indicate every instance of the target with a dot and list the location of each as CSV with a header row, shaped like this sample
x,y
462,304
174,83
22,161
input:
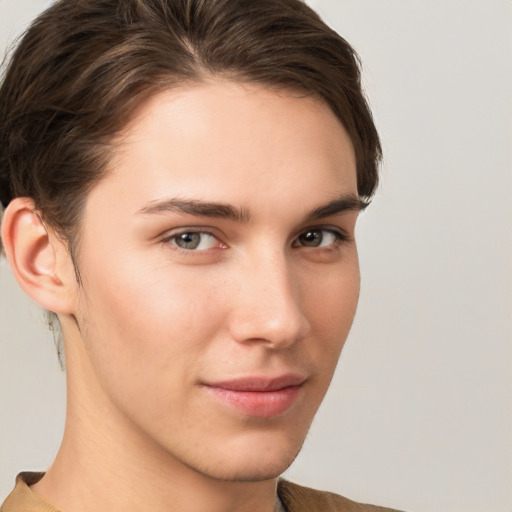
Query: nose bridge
x,y
268,306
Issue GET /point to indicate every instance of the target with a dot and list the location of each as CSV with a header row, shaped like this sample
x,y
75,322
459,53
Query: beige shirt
x,y
294,498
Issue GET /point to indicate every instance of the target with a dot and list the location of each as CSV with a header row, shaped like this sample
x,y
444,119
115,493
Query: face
x,y
220,276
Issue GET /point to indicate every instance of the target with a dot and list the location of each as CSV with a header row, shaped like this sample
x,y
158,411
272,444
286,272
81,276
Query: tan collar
x,y
23,499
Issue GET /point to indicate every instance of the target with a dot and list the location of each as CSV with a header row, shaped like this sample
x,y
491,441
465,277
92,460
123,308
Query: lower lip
x,y
260,404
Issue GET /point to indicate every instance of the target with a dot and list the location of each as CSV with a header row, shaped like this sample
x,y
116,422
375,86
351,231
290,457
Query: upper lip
x,y
259,383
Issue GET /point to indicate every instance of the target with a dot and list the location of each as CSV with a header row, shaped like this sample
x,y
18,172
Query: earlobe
x,y
36,256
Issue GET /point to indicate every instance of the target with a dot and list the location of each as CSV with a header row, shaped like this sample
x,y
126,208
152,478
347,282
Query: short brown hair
x,y
84,66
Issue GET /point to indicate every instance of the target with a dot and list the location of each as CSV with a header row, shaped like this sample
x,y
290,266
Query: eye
x,y
194,241
318,238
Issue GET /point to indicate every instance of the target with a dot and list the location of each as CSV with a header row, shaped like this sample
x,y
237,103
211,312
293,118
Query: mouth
x,y
259,397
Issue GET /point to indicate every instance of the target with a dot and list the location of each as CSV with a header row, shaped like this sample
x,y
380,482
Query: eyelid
x,y
208,230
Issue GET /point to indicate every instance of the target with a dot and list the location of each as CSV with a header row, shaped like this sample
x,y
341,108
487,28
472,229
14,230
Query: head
x,y
182,180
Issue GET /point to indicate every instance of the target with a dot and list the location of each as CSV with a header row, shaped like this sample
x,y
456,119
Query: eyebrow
x,y
343,203
197,207
348,202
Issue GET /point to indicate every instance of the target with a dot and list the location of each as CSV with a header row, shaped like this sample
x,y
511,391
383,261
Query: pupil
x,y
312,238
188,240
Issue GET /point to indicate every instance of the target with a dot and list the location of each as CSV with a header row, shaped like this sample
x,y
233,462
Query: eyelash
x,y
339,238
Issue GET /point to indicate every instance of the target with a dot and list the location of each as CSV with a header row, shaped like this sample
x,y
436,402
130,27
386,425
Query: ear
x,y
39,259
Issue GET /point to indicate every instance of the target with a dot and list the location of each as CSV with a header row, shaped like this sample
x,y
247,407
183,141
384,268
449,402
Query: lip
x,y
259,397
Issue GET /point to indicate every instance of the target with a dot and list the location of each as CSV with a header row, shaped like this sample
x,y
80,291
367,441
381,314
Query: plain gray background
x,y
419,414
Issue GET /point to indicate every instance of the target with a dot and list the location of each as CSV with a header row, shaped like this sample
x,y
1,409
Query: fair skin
x,y
219,282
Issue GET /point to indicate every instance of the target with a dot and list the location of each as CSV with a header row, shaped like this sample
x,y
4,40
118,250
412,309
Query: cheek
x,y
331,310
149,324
336,296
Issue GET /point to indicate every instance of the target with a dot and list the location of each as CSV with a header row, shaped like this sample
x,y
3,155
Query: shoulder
x,y
296,498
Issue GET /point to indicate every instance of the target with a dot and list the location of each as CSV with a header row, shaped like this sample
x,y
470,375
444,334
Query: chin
x,y
252,471
254,462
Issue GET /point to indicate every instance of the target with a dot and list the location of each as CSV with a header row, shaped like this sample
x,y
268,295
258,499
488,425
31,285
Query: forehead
x,y
225,141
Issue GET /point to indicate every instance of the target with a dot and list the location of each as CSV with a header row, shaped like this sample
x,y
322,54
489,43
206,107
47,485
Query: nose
x,y
267,304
